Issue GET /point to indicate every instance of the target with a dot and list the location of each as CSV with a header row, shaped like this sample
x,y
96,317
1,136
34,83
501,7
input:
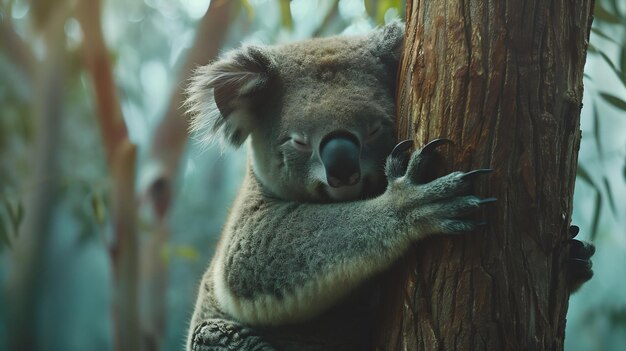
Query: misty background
x,y
94,159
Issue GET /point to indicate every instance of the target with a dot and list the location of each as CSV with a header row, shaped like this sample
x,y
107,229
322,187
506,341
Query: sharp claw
x,y
573,231
487,200
432,145
402,147
475,173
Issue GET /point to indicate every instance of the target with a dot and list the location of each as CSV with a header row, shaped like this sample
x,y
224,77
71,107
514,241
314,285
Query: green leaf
x,y
383,7
614,100
285,14
601,34
622,62
166,253
602,14
19,216
4,235
370,7
185,252
15,212
615,9
582,174
596,130
98,208
614,68
188,253
596,215
607,187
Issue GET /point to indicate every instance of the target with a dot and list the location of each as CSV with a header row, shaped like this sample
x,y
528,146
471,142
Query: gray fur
x,y
295,257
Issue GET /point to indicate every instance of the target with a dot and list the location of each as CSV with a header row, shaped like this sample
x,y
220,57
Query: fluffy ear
x,y
387,42
221,96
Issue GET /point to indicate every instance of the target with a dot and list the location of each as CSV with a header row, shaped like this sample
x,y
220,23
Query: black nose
x,y
340,154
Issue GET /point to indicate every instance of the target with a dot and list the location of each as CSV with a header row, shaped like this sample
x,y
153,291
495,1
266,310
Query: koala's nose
x,y
340,154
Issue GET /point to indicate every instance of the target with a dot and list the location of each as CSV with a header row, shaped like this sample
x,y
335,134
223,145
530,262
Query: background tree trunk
x,y
503,80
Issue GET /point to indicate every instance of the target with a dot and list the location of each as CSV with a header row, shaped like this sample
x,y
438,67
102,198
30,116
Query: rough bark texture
x,y
503,80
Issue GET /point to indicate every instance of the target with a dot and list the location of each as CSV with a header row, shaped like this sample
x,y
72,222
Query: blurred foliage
x,y
377,9
286,18
13,213
148,41
608,17
596,314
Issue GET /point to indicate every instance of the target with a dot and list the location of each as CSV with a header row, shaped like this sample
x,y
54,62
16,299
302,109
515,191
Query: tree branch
x,y
121,157
24,278
170,136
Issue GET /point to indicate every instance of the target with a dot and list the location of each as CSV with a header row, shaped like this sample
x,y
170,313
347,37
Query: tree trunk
x,y
503,80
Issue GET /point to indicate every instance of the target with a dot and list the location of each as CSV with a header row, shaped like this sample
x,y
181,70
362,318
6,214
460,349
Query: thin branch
x,y
165,151
121,157
171,134
98,65
24,279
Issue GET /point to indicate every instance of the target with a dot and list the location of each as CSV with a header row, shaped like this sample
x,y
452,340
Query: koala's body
x,y
326,205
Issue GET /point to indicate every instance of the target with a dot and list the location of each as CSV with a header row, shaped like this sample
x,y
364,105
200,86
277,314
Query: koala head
x,y
319,113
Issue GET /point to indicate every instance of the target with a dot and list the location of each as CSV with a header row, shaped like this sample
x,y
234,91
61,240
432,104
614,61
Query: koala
x,y
329,201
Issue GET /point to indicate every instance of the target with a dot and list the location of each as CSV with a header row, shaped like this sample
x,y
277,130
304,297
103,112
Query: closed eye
x,y
374,132
300,144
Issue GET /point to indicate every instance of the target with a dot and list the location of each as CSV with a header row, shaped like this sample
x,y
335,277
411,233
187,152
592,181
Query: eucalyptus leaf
x,y
622,61
597,210
18,216
615,9
15,213
383,7
618,72
610,63
4,235
602,14
614,100
370,7
188,253
596,130
583,175
601,34
98,208
607,187
285,14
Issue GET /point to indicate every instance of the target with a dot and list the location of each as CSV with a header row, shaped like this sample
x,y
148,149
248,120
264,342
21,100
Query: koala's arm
x,y
283,262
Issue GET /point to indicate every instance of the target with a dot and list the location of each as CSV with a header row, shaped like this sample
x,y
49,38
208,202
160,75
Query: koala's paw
x,y
437,206
224,335
579,262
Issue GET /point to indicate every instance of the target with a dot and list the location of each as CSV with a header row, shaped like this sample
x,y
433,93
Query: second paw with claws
x,y
579,266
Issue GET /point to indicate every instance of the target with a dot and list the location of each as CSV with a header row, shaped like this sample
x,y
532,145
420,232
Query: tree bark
x,y
503,80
